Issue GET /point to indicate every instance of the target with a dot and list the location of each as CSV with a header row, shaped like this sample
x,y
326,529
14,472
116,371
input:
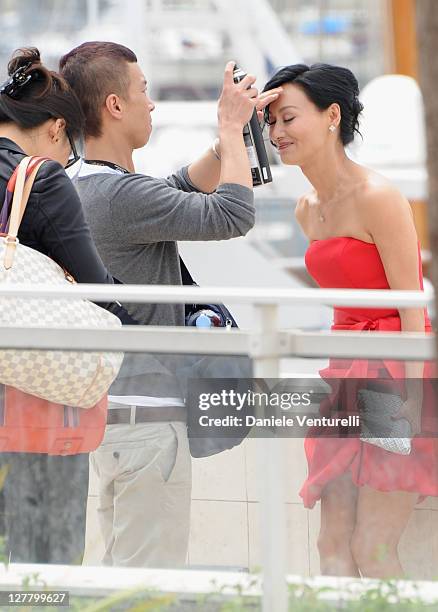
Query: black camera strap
x,y
101,162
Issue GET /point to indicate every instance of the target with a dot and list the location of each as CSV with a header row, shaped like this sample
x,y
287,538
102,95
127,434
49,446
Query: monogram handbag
x,y
29,424
71,378
377,426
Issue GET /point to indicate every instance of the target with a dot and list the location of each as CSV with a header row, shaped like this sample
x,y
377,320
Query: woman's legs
x,y
338,519
381,520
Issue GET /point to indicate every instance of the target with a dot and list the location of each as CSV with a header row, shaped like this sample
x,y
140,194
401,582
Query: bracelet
x,y
214,150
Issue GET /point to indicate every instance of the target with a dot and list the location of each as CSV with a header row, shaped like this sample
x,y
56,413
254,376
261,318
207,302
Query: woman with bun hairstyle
x,y
45,496
362,236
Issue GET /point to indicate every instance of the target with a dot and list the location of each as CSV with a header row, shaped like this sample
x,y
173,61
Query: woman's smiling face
x,y
298,128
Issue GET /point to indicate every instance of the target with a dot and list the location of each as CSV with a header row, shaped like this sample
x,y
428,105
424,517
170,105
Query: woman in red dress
x,y
362,236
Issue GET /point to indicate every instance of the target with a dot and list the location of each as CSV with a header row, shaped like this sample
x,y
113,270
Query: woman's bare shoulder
x,y
379,200
377,190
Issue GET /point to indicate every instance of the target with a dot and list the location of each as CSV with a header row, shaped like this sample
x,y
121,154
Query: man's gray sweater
x,y
136,221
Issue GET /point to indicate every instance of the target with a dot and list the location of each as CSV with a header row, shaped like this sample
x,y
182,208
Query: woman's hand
x,y
411,411
265,98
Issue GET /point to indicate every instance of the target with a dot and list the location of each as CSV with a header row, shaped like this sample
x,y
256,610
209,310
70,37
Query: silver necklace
x,y
321,215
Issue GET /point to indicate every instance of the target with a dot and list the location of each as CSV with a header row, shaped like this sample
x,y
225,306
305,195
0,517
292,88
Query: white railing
x,y
266,345
253,295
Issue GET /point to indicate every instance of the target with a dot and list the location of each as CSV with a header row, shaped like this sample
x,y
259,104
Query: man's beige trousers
x,y
144,475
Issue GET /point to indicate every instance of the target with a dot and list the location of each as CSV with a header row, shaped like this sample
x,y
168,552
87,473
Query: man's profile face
x,y
138,107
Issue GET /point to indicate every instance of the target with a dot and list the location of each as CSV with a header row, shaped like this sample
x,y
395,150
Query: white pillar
x,y
271,467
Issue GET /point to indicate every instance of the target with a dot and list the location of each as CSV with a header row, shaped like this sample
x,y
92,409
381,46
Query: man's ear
x,y
56,128
113,105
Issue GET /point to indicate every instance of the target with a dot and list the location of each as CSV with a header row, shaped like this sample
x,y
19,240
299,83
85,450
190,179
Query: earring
x,y
332,128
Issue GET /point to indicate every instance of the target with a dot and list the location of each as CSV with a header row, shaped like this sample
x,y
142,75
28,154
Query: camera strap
x,y
101,162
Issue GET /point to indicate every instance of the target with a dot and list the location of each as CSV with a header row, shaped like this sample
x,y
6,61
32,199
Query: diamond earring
x,y
332,128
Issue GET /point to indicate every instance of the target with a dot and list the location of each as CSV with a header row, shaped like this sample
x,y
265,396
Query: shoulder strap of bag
x,y
31,174
9,193
23,187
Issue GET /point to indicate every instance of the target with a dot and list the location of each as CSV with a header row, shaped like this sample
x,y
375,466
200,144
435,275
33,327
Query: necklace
x,y
321,215
339,195
318,209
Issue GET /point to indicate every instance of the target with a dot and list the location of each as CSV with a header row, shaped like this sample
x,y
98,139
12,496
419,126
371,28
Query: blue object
x,y
203,321
327,25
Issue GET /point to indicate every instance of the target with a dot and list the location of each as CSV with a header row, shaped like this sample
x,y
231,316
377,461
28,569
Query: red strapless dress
x,y
345,262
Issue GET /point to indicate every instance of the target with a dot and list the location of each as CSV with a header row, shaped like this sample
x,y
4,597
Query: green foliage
x,y
380,596
33,581
384,596
134,600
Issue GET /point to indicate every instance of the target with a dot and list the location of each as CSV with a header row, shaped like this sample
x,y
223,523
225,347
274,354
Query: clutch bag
x,y
377,426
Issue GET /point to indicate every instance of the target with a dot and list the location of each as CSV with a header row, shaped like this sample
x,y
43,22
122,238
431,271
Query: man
x,y
144,465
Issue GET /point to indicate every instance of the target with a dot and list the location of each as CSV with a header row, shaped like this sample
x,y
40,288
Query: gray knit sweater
x,y
135,221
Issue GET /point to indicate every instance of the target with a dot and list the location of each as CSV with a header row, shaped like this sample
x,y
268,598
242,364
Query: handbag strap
x,y
9,192
25,176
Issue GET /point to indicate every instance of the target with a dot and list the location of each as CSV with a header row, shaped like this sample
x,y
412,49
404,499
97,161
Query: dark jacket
x,y
54,222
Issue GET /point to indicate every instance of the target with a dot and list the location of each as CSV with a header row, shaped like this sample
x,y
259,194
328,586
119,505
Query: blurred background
x,y
189,40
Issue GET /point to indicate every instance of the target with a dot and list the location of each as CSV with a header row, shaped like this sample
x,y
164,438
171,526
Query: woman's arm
x,y
388,218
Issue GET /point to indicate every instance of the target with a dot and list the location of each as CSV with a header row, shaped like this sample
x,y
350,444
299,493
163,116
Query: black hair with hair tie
x,y
15,83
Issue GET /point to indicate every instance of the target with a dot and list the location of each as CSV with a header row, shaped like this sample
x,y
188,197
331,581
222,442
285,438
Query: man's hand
x,y
237,100
235,108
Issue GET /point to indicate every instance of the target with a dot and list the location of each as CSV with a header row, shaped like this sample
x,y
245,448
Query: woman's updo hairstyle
x,y
33,94
324,85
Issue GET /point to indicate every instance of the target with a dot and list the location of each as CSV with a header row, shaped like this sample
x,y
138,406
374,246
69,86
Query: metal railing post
x,y
271,462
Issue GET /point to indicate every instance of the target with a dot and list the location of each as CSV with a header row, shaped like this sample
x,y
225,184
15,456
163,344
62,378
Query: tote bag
x,y
73,378
29,424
